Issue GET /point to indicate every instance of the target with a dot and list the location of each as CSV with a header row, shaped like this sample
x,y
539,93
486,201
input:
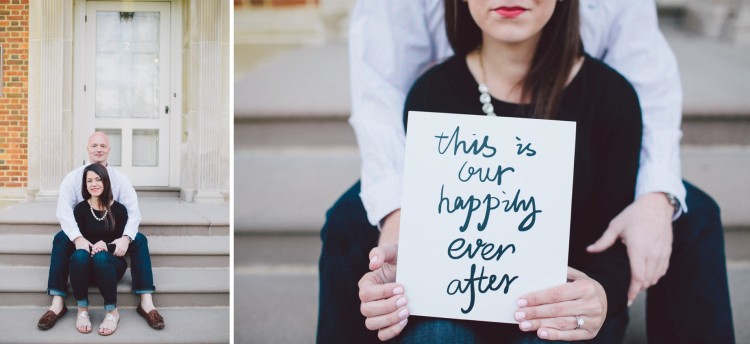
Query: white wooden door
x,y
127,85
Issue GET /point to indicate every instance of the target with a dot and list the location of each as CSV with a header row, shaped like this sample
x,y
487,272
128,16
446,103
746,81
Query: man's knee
x,y
139,240
61,239
346,216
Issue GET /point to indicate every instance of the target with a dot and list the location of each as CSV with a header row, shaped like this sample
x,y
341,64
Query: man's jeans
x,y
103,268
63,248
690,304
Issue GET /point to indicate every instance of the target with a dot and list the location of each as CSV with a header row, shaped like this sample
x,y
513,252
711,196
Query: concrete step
x,y
305,182
145,192
166,251
160,217
281,286
175,287
183,325
299,181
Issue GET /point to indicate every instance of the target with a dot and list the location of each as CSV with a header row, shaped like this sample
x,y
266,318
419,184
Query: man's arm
x,y
129,199
66,201
639,51
390,43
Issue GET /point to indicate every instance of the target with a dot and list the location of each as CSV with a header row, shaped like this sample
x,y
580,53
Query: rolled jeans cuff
x,y
82,303
143,291
110,307
55,292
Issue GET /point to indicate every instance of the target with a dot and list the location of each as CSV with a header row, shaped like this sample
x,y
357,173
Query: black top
x,y
92,229
608,140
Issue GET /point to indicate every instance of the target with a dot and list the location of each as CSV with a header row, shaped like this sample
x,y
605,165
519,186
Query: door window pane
x,y
115,142
127,65
146,147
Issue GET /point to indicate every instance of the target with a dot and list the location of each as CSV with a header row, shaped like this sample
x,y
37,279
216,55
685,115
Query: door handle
x,y
166,109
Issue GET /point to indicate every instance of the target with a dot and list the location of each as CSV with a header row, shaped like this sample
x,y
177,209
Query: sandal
x,y
83,320
111,318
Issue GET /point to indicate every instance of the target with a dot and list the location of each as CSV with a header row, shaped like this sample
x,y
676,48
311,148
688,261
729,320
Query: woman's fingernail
x,y
525,325
522,303
543,334
630,303
403,314
520,315
373,259
401,302
398,290
403,322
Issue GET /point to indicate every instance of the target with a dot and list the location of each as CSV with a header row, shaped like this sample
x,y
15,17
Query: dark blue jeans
x,y
103,268
438,331
59,266
690,304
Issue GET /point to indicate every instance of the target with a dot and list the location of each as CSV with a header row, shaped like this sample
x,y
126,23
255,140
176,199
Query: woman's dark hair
x,y
105,198
559,47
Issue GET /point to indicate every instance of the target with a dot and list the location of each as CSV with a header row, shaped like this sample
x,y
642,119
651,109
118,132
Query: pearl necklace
x,y
94,214
484,91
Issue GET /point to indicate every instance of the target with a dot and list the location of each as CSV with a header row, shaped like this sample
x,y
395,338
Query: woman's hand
x,y
82,244
99,246
121,246
383,302
552,312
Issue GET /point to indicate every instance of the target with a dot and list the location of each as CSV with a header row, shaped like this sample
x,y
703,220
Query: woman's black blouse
x,y
608,140
92,229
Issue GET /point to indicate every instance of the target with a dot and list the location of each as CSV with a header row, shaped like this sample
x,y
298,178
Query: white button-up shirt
x,y
70,195
391,42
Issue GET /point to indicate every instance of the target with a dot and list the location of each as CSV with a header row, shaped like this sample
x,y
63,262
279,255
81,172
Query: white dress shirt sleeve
x,y
637,49
127,197
388,49
66,201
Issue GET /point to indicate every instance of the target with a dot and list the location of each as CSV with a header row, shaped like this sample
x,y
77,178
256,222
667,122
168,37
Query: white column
x,y
206,168
50,97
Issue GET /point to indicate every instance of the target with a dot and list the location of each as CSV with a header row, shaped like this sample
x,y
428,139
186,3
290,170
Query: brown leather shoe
x,y
49,318
153,318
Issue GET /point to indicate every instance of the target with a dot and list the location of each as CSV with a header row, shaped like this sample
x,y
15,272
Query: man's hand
x,y
383,302
82,244
645,227
121,246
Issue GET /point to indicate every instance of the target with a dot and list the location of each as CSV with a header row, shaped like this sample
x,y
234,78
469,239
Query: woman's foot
x,y
109,324
83,321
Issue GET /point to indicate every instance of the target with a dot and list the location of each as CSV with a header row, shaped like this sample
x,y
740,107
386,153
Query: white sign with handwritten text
x,y
485,215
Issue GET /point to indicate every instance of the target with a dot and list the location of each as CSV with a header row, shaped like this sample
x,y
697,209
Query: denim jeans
x,y
62,249
438,331
689,304
103,268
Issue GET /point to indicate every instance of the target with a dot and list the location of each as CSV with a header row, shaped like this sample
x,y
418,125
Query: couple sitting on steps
x,y
99,216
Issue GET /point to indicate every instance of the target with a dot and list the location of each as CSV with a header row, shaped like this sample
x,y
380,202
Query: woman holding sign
x,y
525,59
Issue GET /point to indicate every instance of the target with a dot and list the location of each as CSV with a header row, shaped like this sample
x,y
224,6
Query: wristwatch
x,y
129,238
673,201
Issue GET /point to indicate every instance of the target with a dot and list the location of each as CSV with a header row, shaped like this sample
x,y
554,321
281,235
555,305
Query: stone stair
x,y
189,245
292,135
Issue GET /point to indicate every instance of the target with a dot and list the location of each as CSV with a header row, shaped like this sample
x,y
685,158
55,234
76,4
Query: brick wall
x,y
14,114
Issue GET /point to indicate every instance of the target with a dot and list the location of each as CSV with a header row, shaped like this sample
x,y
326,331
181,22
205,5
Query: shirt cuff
x,y
381,199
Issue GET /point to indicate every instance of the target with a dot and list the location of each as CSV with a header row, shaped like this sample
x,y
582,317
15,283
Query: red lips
x,y
510,12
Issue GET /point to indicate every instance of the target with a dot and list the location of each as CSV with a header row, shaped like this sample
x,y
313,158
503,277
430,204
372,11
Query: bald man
x,y
70,239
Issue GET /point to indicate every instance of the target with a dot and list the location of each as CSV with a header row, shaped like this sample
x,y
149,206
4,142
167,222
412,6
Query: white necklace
x,y
484,92
94,214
